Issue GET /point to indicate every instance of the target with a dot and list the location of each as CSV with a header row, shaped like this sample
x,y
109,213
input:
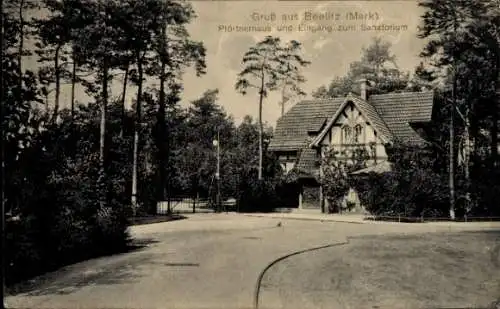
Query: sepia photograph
x,y
264,154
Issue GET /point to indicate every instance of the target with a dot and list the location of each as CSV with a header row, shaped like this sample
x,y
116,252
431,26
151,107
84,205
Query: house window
x,y
352,135
346,135
358,134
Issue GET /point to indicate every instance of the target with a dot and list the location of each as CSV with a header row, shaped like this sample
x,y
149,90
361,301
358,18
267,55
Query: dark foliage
x,y
258,196
55,203
411,189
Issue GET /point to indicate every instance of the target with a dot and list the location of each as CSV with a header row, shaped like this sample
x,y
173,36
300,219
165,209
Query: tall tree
x,y
57,37
98,46
139,20
125,62
205,119
378,65
291,73
377,55
19,91
22,26
267,66
174,52
53,36
450,26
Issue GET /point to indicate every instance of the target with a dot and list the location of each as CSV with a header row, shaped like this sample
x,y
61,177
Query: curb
x,y
262,273
430,223
306,219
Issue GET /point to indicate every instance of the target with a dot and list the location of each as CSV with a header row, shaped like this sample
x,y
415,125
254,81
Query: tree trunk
x,y
124,93
137,128
261,99
102,135
494,117
21,44
57,70
73,85
195,198
467,150
452,128
134,172
162,138
452,153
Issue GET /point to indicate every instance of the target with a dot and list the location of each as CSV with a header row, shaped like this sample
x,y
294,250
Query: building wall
x,y
369,140
287,160
288,166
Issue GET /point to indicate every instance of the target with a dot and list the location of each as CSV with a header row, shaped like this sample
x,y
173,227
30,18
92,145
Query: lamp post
x,y
216,143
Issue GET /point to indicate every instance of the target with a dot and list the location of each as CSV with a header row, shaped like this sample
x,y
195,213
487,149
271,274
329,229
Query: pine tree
x,y
268,66
456,44
378,65
98,47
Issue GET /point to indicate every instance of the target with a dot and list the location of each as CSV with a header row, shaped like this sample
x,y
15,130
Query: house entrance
x,y
288,195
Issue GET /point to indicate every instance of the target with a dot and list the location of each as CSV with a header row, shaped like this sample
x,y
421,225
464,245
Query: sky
x,y
229,28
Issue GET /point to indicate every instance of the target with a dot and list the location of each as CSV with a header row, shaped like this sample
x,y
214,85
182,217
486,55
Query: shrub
x,y
258,196
411,189
485,186
287,193
59,221
375,193
336,178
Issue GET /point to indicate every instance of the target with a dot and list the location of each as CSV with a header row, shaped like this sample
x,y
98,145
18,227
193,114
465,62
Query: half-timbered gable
x,y
355,125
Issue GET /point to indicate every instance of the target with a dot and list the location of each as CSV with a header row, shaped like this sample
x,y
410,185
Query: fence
x,y
183,204
430,219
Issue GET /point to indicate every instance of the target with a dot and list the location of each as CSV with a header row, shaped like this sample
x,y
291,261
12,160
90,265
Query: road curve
x,y
210,261
205,261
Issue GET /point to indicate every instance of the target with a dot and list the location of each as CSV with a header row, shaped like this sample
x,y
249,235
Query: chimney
x,y
362,85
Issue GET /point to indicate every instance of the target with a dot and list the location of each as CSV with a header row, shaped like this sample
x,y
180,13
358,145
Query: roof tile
x,y
400,109
308,162
292,129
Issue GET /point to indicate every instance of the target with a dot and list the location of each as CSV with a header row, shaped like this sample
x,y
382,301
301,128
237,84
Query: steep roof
x,y
398,110
309,116
308,162
390,114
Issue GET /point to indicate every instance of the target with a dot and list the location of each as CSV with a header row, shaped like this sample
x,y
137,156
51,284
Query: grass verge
x,y
435,270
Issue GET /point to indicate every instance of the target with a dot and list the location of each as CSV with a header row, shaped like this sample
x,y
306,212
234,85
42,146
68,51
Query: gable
x,y
368,113
350,116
